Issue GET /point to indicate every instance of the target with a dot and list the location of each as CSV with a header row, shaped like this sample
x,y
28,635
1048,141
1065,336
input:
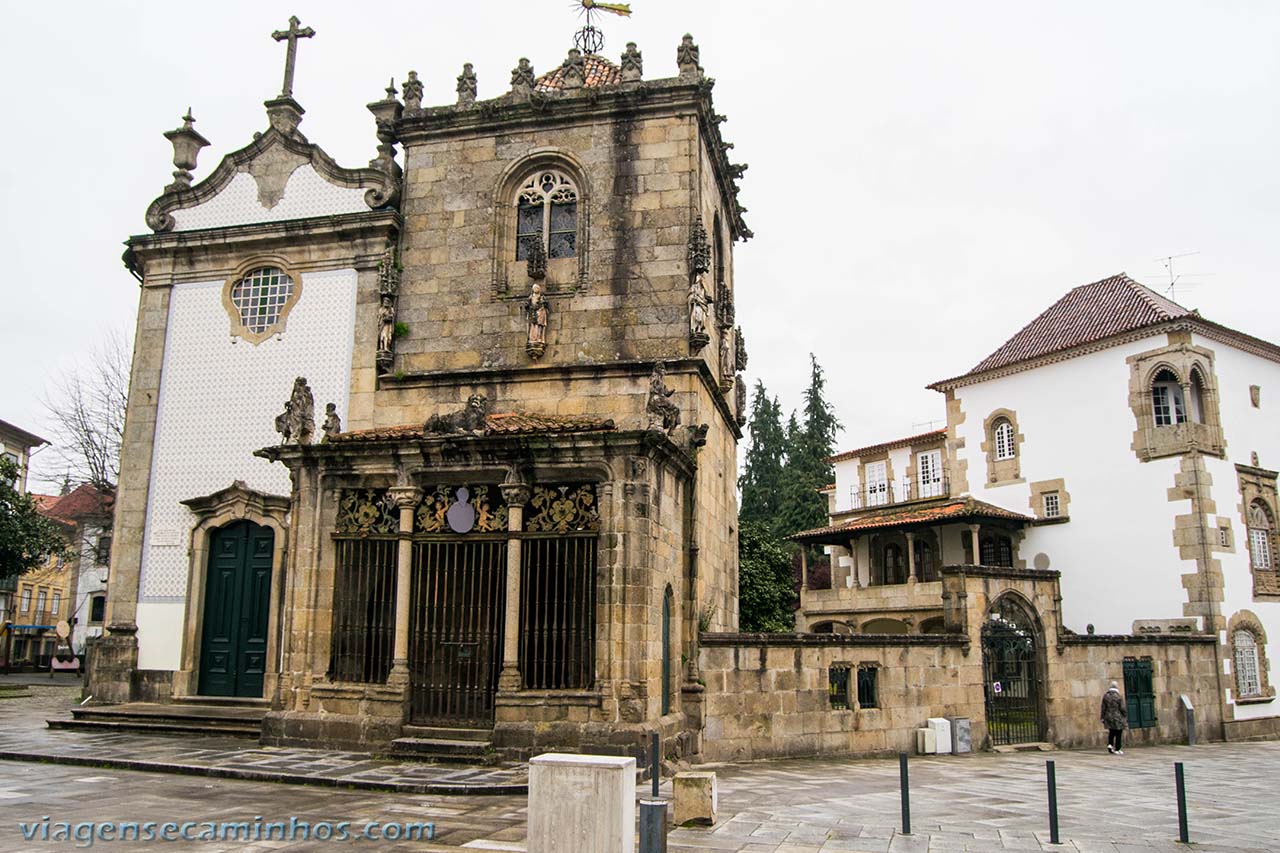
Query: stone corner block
x,y
697,798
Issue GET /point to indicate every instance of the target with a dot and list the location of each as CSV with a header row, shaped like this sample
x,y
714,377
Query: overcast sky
x,y
925,176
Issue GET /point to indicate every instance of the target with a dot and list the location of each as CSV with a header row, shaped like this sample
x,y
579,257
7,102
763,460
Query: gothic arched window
x,y
547,212
1167,403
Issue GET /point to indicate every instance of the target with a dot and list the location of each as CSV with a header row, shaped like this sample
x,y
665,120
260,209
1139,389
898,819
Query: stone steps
x,y
235,719
463,746
164,728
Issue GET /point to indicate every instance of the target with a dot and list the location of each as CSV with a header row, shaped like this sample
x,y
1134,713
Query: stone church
x,y
442,448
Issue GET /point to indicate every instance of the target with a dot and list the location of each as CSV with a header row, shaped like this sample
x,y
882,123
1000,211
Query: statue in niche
x,y
332,423
386,324
469,419
536,309
662,412
297,423
726,360
698,302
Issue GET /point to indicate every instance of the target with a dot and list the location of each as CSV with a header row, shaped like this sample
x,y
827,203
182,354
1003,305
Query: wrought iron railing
x,y
889,492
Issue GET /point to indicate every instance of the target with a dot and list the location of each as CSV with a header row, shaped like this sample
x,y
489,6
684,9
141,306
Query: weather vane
x,y
590,39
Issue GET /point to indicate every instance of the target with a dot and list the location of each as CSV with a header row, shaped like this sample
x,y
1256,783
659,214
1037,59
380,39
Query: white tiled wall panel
x,y
306,194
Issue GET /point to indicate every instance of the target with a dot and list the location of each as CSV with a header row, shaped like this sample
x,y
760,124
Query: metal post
x,y
1053,802
655,768
1183,833
653,826
906,793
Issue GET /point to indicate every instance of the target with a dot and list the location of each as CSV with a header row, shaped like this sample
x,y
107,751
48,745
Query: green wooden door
x,y
237,595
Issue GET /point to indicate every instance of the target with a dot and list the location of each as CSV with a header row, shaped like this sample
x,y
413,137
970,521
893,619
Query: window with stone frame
x,y
868,695
547,213
1258,503
1052,507
1002,444
838,686
1173,394
259,297
42,598
1005,447
1248,669
97,608
1261,538
1168,406
26,600
996,551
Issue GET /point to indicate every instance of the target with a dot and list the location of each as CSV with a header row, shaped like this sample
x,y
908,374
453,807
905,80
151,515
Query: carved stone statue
x,y
522,80
687,56
698,301
386,324
740,349
469,419
662,413
412,92
536,309
467,86
632,64
297,423
332,423
726,360
740,401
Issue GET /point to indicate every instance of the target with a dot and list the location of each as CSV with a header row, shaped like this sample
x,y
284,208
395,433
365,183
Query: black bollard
x,y
906,793
1183,834
655,767
653,826
1053,802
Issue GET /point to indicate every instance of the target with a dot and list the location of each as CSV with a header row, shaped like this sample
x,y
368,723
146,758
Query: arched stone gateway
x,y
1011,670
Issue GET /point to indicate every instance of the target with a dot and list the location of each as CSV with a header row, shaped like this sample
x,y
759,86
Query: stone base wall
x,y
1259,728
114,678
319,730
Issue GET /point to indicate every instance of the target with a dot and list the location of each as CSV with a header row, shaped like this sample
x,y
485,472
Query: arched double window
x,y
1167,403
1261,538
547,213
1002,433
1248,669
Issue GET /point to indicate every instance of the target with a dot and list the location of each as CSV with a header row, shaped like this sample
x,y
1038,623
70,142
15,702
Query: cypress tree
x,y
761,479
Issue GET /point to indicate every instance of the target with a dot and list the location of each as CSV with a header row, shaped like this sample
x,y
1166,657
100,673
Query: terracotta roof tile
x,y
499,423
600,72
932,435
933,513
83,501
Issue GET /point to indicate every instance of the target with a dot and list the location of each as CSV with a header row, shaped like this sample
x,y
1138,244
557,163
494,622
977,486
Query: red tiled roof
x,y
600,72
901,516
1087,313
83,501
499,423
932,435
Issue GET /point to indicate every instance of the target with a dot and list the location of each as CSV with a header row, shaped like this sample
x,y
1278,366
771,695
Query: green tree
x,y
766,585
809,444
761,479
27,538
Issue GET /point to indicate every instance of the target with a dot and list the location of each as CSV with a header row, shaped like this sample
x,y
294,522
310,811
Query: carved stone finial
x,y
187,143
740,401
412,93
698,302
632,64
740,349
725,312
389,273
575,70
699,248
663,414
391,89
466,86
297,423
522,81
469,419
332,424
536,311
385,113
536,259
687,59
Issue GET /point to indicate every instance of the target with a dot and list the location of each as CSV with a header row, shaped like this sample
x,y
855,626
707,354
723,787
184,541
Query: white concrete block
x,y
697,798
926,742
941,726
582,802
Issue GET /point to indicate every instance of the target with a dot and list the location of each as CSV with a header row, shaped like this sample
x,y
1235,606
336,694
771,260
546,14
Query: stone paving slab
x,y
24,737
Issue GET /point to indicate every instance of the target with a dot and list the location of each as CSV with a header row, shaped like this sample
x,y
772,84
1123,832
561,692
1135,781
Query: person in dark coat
x,y
1115,717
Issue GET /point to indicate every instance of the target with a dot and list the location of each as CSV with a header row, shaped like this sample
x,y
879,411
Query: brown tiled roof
x,y
600,72
83,501
1087,313
932,435
500,423
901,516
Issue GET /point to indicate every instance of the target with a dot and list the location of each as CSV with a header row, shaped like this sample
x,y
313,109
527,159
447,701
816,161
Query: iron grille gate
x,y
457,605
557,612
1010,683
364,596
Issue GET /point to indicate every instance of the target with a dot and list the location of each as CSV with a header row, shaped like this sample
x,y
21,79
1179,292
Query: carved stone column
x,y
911,557
977,554
516,496
407,499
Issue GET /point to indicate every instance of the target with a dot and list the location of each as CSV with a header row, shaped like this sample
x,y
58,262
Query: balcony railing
x,y
889,492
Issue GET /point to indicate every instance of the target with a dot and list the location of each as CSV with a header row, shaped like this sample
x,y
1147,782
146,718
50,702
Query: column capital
x,y
405,496
516,494
911,537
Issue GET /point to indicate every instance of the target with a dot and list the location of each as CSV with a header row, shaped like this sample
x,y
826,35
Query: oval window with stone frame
x,y
259,299
547,212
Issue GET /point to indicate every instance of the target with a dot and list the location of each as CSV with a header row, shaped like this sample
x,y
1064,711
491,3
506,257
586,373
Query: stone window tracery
x,y
547,211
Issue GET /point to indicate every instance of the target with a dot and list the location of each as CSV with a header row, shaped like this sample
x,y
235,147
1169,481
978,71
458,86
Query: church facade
x,y
500,501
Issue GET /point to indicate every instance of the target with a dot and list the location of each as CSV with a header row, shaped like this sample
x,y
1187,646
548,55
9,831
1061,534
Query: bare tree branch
x,y
87,406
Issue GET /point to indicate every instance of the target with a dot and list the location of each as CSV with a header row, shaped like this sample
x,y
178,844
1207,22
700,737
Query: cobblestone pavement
x,y
984,802
23,735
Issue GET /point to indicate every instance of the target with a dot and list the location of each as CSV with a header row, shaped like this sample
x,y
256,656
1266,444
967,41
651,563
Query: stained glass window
x,y
547,207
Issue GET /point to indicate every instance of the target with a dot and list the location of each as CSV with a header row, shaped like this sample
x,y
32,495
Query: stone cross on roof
x,y
291,35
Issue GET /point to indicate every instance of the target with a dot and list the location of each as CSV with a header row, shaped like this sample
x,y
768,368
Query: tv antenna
x,y
1167,262
590,39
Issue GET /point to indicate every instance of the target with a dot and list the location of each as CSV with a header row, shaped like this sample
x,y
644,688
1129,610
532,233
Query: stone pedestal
x,y
961,737
926,742
697,798
942,729
582,802
112,666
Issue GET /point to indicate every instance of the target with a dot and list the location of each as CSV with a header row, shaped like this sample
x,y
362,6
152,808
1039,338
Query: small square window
x,y
102,554
838,686
867,695
1224,536
1052,507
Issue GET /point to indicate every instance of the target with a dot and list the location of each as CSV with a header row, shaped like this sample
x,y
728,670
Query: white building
x,y
1118,439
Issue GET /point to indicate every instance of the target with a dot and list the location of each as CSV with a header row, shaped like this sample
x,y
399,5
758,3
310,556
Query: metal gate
x,y
457,605
558,612
1011,681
